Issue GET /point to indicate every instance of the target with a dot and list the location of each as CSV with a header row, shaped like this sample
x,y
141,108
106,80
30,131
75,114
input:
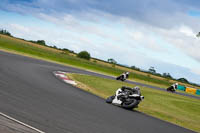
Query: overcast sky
x,y
143,33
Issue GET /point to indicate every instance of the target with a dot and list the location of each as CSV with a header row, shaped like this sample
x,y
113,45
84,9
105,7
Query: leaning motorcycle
x,y
171,89
122,77
126,100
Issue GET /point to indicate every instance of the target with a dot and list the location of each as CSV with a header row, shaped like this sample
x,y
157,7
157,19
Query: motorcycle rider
x,y
120,93
127,74
123,76
173,87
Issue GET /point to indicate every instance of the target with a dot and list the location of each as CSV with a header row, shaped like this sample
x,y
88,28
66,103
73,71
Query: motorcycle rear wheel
x,y
171,89
131,104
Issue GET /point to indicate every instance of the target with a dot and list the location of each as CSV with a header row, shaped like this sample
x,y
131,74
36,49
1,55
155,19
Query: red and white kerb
x,y
63,76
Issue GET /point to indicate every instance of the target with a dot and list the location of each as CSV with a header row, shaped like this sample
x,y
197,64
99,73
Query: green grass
x,y
180,110
13,44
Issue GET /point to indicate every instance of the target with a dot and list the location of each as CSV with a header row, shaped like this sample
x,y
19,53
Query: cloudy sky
x,y
142,33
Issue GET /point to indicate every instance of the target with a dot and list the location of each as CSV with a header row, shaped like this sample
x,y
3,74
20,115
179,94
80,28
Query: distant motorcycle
x,y
127,100
173,87
123,76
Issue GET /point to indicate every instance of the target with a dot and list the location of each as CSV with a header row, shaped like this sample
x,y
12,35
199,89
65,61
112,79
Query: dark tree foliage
x,y
67,50
183,80
152,70
54,47
84,55
135,68
5,32
167,75
157,74
112,61
198,34
41,42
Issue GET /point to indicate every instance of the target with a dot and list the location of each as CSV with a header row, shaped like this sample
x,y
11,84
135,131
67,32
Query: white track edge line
x,y
19,122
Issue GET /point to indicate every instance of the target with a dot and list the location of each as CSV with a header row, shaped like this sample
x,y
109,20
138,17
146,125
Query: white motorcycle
x,y
123,76
126,100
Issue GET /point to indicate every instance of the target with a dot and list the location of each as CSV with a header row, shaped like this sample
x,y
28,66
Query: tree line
x,y
5,32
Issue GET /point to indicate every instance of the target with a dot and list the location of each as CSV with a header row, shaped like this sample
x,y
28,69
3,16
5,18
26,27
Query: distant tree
x,y
158,74
5,32
135,68
112,61
71,51
198,35
55,47
166,75
41,42
183,80
152,70
84,55
67,50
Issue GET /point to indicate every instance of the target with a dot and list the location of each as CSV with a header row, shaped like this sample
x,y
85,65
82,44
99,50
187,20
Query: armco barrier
x,y
198,92
180,87
191,90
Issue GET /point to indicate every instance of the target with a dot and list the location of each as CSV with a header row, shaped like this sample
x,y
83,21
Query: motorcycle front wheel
x,y
110,99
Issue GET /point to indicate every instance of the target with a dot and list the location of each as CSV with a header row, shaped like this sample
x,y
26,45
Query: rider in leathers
x,y
120,91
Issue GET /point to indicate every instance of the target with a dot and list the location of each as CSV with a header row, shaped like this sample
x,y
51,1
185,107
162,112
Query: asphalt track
x,y
29,92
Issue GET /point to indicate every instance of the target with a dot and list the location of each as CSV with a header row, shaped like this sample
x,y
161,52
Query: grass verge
x,y
179,110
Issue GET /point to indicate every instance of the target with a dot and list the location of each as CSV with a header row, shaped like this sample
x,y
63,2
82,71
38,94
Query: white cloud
x,y
138,36
195,71
187,31
183,38
20,28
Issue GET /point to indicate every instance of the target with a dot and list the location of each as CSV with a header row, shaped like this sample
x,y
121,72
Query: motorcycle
x,y
171,89
126,100
123,76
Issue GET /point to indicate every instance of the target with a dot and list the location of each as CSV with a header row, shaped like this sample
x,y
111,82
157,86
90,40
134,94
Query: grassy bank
x,y
180,110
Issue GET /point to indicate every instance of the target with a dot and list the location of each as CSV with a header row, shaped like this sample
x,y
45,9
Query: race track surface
x,y
29,92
